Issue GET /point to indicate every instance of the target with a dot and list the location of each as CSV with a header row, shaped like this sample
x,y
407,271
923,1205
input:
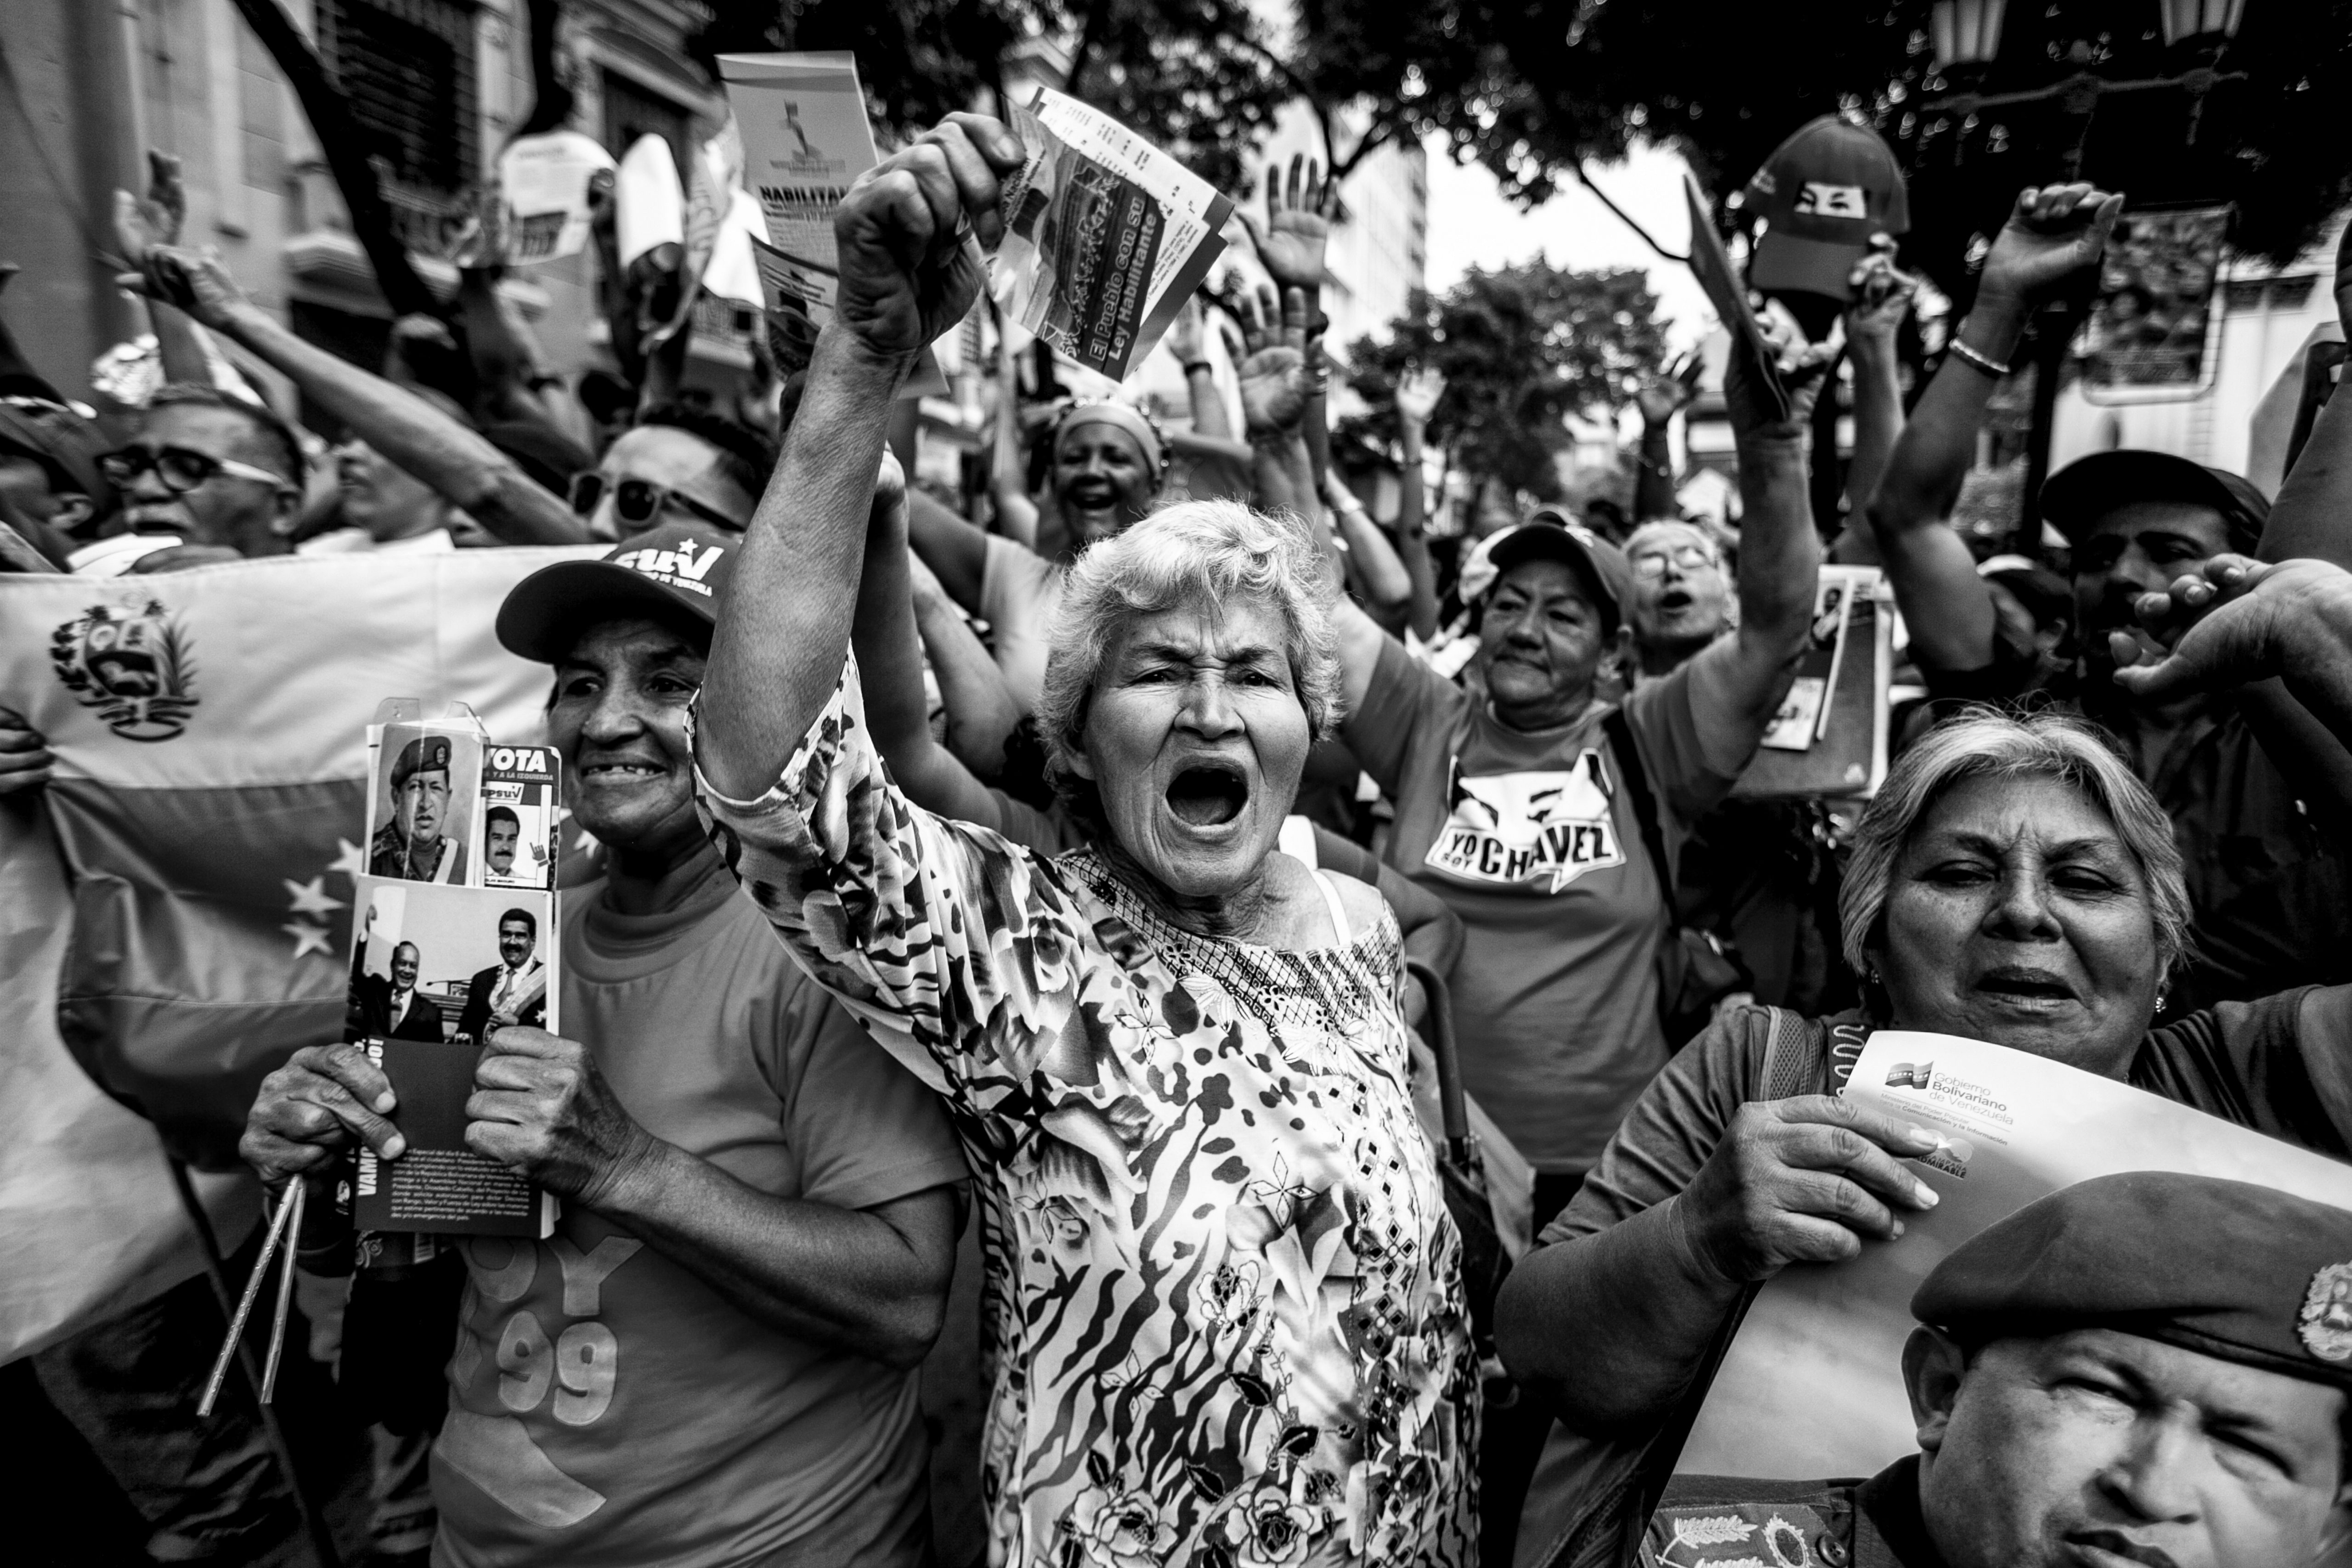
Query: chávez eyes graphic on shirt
x,y
1545,827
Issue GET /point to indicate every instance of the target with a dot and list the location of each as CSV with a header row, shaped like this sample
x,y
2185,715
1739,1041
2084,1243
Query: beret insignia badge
x,y
2325,1324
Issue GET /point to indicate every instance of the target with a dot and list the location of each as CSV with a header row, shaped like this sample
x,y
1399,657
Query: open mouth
x,y
619,769
2029,987
1207,796
1674,601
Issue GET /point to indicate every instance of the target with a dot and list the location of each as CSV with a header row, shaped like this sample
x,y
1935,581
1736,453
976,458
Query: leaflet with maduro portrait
x,y
454,941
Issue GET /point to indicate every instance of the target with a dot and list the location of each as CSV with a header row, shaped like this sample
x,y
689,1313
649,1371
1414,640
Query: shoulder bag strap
x,y
1636,780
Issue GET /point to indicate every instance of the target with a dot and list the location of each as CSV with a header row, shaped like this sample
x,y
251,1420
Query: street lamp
x,y
1967,32
2196,18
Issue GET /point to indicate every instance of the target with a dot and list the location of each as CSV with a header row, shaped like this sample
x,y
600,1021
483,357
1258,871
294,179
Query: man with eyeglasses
x,y
677,466
218,477
1682,595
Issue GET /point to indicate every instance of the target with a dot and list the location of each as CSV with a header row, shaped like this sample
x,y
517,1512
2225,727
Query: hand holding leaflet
x,y
1106,236
1812,1386
1711,264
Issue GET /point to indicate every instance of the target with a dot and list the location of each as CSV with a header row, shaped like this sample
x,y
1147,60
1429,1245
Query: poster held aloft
x,y
543,184
1106,236
804,141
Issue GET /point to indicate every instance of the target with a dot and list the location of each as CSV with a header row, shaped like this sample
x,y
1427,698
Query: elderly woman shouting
x,y
2013,881
1229,1315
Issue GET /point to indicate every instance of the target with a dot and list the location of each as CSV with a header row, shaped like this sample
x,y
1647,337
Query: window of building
x,y
406,69
632,111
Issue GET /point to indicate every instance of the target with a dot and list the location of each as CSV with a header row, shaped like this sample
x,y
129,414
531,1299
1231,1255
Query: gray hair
x,y
1983,743
1193,553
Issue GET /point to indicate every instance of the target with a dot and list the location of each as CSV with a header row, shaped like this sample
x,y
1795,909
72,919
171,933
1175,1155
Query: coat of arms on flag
x,y
178,916
132,665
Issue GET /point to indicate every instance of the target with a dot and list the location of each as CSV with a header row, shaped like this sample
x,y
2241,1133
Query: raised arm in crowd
x,y
427,443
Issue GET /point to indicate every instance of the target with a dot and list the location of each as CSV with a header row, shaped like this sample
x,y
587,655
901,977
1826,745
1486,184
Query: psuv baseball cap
x,y
1824,193
664,573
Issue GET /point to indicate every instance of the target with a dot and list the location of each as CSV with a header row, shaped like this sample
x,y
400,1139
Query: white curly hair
x,y
1192,552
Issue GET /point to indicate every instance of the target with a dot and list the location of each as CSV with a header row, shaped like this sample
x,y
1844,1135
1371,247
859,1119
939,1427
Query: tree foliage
x,y
1725,93
1201,78
1520,347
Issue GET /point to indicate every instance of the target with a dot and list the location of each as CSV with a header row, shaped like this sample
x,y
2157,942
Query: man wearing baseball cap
x,y
2267,887
760,1206
2144,1368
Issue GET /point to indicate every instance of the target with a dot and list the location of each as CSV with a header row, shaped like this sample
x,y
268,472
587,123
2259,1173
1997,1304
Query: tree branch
x,y
345,148
1620,213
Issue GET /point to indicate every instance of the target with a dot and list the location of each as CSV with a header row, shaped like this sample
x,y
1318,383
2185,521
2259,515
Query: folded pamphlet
x,y
1106,236
438,1186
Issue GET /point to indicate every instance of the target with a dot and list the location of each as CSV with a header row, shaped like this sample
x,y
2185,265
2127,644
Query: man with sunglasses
x,y
220,477
677,466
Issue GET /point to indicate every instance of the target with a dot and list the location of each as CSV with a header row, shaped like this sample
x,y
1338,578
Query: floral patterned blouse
x,y
1224,1295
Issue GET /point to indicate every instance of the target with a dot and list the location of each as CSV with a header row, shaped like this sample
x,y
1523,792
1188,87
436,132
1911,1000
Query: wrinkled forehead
x,y
661,453
2184,519
1545,579
1236,629
2002,810
1087,435
1665,539
623,642
215,432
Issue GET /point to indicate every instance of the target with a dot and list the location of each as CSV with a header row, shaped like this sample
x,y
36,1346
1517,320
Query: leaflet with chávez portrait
x,y
455,941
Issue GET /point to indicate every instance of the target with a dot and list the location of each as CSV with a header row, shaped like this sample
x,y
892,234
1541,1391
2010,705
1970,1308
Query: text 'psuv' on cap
x,y
677,570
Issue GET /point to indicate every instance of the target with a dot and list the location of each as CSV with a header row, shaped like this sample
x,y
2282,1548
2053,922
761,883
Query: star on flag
x,y
310,896
307,937
309,904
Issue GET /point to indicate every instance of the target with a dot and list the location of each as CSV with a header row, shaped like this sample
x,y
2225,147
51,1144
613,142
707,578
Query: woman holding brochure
x,y
2012,882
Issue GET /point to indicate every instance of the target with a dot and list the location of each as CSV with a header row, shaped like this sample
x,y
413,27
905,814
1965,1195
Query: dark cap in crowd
x,y
425,754
60,440
1824,191
679,568
2087,489
2229,1269
1549,535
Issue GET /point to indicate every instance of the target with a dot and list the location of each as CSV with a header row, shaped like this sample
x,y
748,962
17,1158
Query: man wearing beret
x,y
413,845
2146,1368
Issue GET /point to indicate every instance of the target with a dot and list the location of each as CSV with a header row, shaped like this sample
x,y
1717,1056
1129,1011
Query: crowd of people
x,y
1118,860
